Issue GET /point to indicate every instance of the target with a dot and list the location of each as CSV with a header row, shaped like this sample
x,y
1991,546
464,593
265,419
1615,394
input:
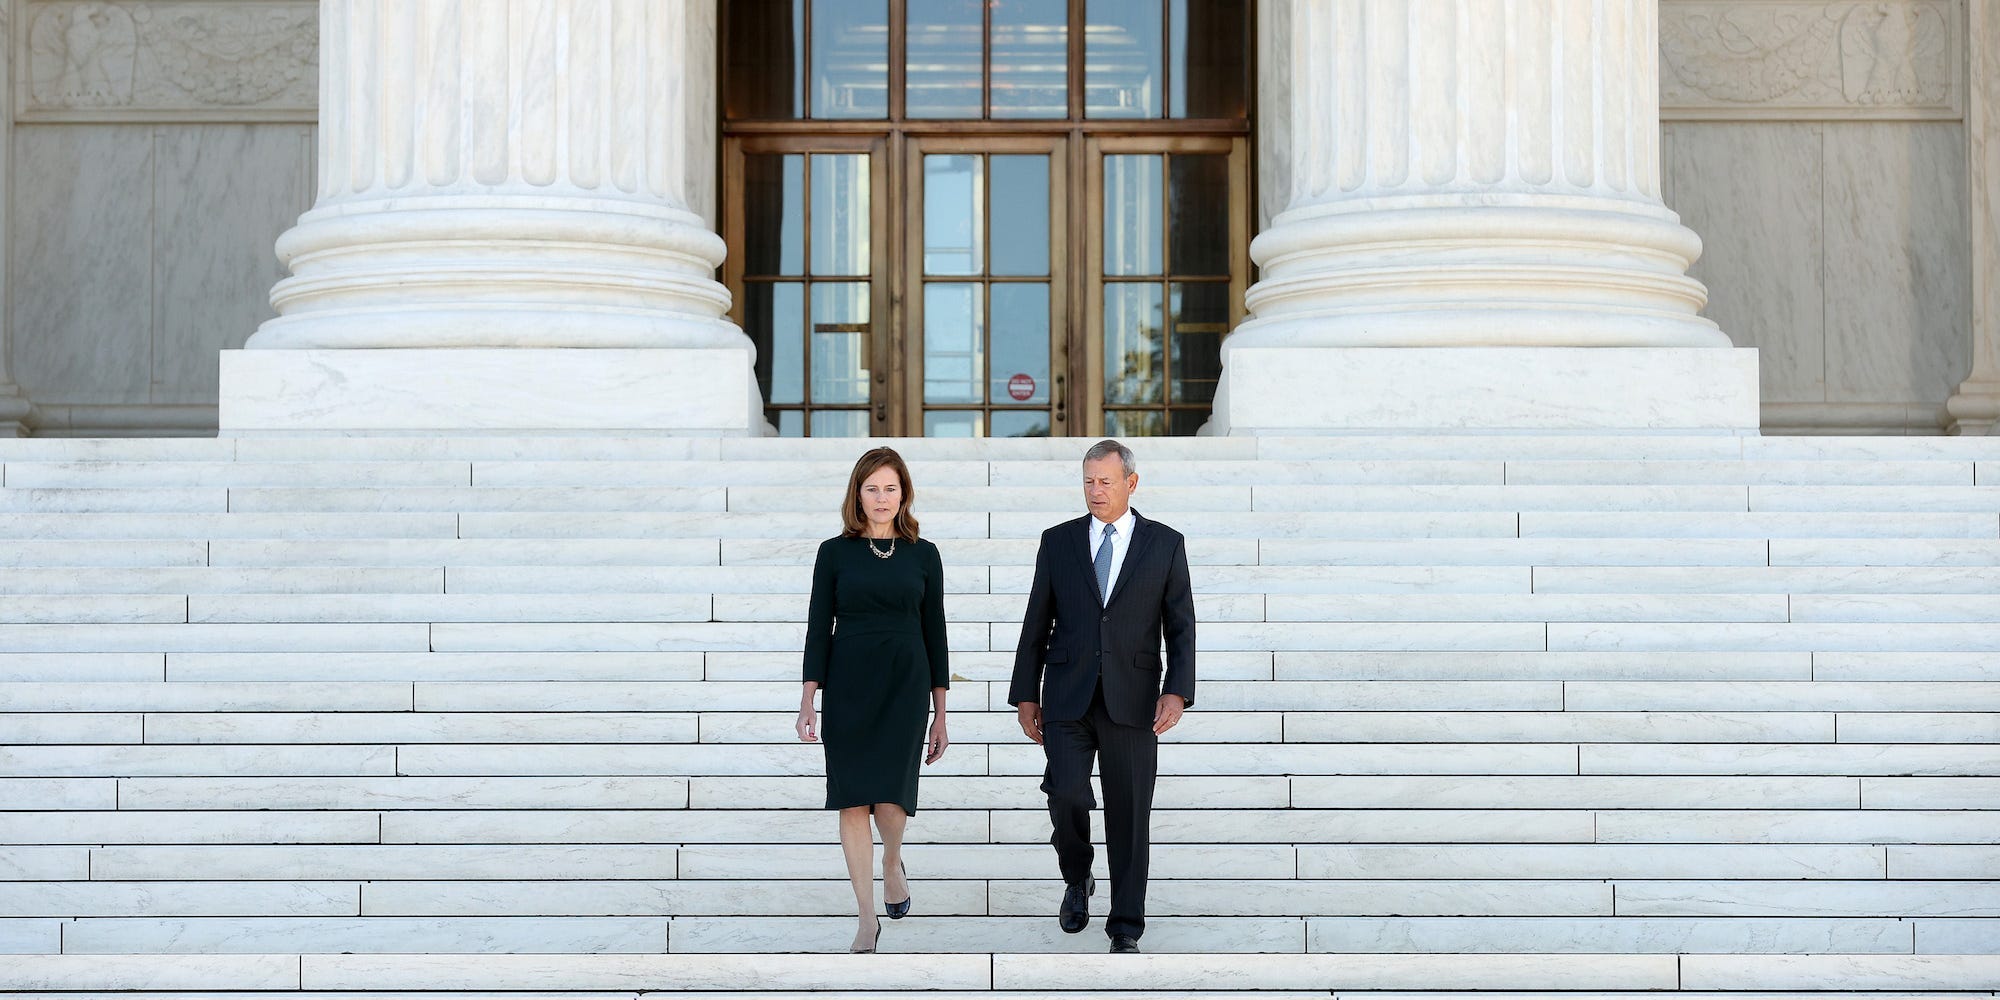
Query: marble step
x,y
1155,973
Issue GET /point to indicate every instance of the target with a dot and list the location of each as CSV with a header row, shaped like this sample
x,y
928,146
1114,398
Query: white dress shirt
x,y
1120,544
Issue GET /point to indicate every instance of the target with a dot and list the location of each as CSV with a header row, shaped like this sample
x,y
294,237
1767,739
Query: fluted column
x,y
510,175
1975,407
1472,173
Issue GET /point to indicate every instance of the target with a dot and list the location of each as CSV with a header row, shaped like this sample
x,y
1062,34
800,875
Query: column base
x,y
1330,390
1974,409
709,392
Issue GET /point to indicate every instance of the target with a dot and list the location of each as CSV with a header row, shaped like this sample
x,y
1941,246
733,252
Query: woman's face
x,y
882,496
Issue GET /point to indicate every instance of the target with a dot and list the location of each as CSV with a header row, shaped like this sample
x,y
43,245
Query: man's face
x,y
1107,490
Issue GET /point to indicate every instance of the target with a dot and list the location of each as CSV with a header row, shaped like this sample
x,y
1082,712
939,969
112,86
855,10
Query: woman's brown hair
x,y
854,522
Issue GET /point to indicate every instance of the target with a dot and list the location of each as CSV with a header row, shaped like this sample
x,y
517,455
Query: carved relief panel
x,y
1787,59
93,60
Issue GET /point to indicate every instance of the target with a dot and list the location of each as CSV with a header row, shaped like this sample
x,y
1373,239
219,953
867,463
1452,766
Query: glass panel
x,y
1020,423
945,53
954,216
1134,423
1200,318
1020,344
1186,423
1122,44
953,424
791,423
850,59
1134,365
765,66
774,214
954,343
1198,214
774,315
1207,60
840,213
1132,215
840,342
1031,59
1021,227
840,423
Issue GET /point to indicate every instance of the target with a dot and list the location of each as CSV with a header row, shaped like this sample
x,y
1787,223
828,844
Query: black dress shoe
x,y
898,911
1075,913
1124,944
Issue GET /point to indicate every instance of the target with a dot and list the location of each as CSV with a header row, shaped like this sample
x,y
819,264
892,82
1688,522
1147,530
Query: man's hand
x,y
1168,714
1031,720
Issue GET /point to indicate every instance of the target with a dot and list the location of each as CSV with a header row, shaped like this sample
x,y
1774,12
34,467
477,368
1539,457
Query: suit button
x,y
1106,618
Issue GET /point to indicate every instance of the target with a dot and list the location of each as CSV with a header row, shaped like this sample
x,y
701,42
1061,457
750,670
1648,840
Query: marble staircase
x,y
1496,715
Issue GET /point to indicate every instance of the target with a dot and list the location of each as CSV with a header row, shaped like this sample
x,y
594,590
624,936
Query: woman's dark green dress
x,y
875,642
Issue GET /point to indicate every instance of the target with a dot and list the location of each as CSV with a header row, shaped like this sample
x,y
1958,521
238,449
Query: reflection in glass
x,y
1186,423
774,211
954,216
790,423
1134,423
774,315
1021,227
840,342
1020,343
1208,62
1031,59
954,343
1132,214
1019,424
1200,318
1134,360
1198,214
764,69
840,423
840,213
941,75
1123,41
953,423
850,59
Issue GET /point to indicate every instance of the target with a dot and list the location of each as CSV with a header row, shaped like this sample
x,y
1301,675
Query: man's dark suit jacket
x,y
1080,638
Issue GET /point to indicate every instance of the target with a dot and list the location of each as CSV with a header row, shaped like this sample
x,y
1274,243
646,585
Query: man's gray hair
x,y
1107,448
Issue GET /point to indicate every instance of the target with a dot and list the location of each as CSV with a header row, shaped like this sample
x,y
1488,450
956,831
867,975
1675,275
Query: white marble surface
x,y
268,827
1896,271
192,899
144,972
81,254
1621,935
647,972
1752,190
222,194
1616,861
1567,792
1347,972
388,935
407,792
1840,972
1281,389
474,390
1752,826
140,864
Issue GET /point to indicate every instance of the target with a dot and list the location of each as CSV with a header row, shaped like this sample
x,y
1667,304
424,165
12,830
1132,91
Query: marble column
x,y
16,414
1473,234
1975,407
502,239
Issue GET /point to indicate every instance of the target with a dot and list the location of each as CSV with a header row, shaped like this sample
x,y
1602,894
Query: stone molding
x,y
94,60
1787,59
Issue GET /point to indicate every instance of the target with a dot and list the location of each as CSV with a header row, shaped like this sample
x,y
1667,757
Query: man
x,y
1087,681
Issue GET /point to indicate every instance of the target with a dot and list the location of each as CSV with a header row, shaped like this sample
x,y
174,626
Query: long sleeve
x,y
1034,644
937,644
819,615
1177,620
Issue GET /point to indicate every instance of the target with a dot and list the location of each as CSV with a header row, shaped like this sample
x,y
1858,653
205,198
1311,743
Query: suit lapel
x,y
1083,555
1142,533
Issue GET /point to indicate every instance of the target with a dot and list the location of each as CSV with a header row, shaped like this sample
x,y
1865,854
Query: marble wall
x,y
138,252
160,146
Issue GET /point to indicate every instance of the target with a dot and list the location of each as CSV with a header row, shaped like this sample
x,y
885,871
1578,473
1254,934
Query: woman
x,y
875,643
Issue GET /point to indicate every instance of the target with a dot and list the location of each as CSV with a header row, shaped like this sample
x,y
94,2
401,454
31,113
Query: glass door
x,y
986,299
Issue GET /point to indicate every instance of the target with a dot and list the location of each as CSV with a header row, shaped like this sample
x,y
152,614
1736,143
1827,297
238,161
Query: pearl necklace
x,y
878,553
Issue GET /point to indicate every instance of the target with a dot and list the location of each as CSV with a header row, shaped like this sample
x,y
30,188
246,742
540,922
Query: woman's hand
x,y
807,726
938,742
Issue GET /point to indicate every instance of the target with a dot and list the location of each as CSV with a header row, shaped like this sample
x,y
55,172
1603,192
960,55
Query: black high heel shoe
x,y
898,911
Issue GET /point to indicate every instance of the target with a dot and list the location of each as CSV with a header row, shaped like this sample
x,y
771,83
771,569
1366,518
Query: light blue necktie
x,y
1104,563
